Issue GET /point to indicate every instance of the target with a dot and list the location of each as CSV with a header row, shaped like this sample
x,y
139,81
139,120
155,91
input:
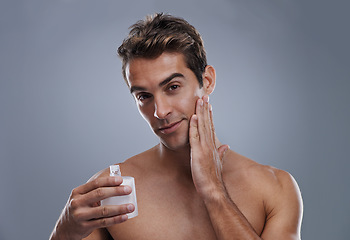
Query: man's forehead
x,y
142,70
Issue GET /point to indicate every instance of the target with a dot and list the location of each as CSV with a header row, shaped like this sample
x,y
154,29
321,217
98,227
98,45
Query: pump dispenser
x,y
125,199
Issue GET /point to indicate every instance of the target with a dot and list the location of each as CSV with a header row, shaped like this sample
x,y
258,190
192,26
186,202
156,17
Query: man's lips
x,y
170,128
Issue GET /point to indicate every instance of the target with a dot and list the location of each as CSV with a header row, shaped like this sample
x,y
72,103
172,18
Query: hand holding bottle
x,y
83,212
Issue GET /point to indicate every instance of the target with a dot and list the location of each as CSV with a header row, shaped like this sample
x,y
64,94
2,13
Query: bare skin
x,y
190,185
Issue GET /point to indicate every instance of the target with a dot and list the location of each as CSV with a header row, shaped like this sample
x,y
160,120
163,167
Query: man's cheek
x,y
145,117
199,93
194,104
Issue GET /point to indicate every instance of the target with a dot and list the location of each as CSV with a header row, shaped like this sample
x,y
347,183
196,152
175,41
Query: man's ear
x,y
209,79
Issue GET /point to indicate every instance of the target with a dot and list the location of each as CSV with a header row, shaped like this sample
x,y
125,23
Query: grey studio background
x,y
282,99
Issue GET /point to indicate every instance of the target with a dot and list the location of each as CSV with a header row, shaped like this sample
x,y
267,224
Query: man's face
x,y
166,91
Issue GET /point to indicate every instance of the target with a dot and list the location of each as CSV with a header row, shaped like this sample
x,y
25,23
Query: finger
x,y
222,151
204,122
201,119
105,192
212,122
97,183
194,135
207,119
86,214
106,222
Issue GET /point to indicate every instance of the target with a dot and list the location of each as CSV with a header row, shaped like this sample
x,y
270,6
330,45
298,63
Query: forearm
x,y
227,220
55,235
58,234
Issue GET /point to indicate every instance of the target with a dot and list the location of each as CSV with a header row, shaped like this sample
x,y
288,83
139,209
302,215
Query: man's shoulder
x,y
137,164
271,187
275,189
260,177
131,166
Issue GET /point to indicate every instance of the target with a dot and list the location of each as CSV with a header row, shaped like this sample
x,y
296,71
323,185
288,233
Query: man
x,y
189,186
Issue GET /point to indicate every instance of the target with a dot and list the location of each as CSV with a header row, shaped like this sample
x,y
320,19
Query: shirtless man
x,y
189,186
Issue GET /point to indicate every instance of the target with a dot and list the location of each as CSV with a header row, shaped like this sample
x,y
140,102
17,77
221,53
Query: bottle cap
x,y
114,170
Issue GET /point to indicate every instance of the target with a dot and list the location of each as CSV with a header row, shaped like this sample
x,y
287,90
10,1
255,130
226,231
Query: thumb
x,y
222,150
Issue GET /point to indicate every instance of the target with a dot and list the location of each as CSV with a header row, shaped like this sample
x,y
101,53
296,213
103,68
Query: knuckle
x,y
77,215
116,220
103,222
119,219
113,181
74,192
119,180
104,211
99,193
195,136
96,183
122,209
74,203
110,180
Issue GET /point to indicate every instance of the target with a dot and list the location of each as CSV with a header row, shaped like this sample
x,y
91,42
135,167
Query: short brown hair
x,y
160,33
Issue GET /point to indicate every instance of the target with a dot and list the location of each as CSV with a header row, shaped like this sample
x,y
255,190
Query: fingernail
x,y
124,217
130,207
228,147
127,189
200,102
206,98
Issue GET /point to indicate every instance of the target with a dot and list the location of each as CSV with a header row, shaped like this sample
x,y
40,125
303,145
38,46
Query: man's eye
x,y
173,87
142,97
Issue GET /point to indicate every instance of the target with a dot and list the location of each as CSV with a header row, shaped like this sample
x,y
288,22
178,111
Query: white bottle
x,y
125,199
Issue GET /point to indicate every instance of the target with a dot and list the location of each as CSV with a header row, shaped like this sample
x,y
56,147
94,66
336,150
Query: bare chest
x,y
170,211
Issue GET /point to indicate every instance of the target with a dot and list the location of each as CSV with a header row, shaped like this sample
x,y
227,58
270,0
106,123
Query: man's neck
x,y
177,161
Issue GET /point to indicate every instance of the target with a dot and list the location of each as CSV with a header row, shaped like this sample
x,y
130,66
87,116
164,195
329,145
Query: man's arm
x,y
284,213
283,221
285,209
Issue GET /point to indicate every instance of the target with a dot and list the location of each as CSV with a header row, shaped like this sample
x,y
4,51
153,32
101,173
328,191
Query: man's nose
x,y
162,108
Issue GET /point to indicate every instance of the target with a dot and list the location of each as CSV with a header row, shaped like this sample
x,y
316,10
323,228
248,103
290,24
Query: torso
x,y
170,208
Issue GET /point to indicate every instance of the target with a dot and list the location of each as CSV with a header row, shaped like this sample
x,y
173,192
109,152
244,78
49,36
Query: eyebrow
x,y
161,84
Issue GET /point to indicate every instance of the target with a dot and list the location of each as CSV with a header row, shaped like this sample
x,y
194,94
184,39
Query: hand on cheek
x,y
206,158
